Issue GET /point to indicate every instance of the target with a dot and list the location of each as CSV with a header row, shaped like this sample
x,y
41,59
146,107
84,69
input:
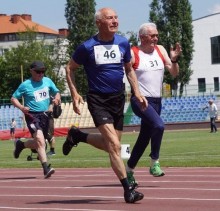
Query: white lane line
x,y
63,209
112,197
104,183
107,187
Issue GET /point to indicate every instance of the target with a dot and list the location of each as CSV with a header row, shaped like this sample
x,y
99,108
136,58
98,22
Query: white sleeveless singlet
x,y
149,69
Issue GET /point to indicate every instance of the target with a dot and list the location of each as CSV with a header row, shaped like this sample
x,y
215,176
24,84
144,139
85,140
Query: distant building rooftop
x,y
17,23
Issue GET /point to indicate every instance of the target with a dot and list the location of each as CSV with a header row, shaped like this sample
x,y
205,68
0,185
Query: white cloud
x,y
215,9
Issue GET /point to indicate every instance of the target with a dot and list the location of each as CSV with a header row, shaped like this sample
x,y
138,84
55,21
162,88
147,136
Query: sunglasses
x,y
39,71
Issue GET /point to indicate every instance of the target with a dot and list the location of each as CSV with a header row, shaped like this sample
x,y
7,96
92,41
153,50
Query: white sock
x,y
128,169
153,162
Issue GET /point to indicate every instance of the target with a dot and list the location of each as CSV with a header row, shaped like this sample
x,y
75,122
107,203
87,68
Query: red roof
x,y
19,23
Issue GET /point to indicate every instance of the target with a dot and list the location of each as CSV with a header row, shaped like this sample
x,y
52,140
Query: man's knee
x,y
40,139
160,127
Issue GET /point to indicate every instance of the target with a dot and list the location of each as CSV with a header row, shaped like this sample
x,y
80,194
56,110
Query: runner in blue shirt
x,y
36,92
105,57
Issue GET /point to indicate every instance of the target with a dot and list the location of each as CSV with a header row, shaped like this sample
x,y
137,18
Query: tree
x,y
133,38
174,22
81,25
15,63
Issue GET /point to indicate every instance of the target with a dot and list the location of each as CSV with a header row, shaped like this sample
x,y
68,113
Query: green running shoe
x,y
131,179
156,171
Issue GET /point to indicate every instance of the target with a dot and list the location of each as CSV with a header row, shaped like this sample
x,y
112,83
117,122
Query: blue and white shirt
x,y
104,63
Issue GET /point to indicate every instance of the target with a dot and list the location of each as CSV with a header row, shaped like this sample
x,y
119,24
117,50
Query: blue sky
x,y
132,13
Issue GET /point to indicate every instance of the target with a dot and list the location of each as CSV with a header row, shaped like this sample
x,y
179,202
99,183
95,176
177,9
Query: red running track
x,y
188,189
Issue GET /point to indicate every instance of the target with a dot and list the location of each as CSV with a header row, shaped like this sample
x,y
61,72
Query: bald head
x,y
101,13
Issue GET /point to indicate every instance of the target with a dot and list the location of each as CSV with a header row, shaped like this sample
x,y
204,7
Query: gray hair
x,y
143,30
98,15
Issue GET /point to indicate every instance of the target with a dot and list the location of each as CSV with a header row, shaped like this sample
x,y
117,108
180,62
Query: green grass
x,y
178,149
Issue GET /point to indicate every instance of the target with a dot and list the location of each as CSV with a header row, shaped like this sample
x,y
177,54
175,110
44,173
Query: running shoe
x,y
19,146
131,179
48,172
131,196
71,140
156,171
51,153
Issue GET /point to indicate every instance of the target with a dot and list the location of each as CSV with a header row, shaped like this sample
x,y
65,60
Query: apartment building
x,y
13,25
206,56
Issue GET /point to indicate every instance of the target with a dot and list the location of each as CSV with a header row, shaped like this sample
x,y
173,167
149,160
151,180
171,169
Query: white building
x,y
206,56
12,25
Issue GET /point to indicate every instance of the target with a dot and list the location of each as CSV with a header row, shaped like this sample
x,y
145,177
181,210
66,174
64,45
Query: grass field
x,y
179,149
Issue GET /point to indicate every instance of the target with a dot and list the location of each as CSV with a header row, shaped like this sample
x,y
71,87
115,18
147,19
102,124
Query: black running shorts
x,y
107,109
38,121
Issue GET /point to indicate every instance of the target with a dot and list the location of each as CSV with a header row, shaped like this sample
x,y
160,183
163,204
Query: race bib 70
x,y
41,94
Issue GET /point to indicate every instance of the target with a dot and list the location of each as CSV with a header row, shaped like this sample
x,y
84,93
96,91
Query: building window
x,y
3,37
40,37
201,85
3,51
215,50
216,84
11,37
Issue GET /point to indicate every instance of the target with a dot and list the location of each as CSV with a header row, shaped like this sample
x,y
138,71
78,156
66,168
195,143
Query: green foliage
x,y
15,63
80,20
133,38
174,22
